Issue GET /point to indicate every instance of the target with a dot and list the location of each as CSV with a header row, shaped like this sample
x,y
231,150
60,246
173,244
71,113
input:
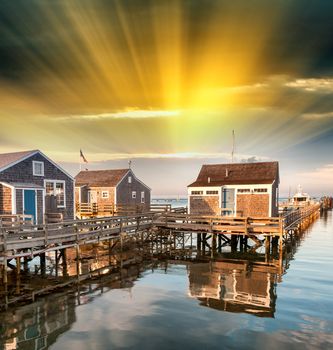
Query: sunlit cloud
x,y
131,113
105,157
317,116
324,85
318,176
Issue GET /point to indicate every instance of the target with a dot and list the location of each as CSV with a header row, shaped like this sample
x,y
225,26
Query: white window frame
x,y
106,193
130,179
54,186
133,194
35,162
142,197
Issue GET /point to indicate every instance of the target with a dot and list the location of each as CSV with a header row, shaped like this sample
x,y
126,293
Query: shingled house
x,y
111,188
32,184
243,189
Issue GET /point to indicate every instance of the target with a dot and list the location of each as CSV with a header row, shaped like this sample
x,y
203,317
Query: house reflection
x,y
38,325
234,286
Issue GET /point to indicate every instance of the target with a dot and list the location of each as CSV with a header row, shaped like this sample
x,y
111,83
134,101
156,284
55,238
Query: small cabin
x,y
236,189
105,191
32,184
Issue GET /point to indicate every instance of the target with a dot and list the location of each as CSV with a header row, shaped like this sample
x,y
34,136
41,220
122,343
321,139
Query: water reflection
x,y
218,281
37,326
234,286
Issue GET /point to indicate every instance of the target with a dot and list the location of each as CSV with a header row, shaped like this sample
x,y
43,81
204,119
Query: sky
x,y
164,82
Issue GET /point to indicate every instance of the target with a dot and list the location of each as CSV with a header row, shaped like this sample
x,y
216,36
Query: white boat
x,y
301,198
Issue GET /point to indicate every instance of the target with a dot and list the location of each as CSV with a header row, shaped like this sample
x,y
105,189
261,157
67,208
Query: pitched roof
x,y
99,178
6,159
237,174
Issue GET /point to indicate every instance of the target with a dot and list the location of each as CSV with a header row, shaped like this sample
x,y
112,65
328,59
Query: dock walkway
x,y
17,240
245,226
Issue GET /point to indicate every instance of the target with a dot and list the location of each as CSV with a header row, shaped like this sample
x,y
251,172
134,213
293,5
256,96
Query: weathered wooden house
x,y
32,184
109,189
237,189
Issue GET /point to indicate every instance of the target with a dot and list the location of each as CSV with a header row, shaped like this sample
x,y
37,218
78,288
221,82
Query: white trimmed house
x,y
237,189
32,184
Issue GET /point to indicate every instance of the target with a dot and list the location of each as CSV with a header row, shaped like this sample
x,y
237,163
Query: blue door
x,y
30,203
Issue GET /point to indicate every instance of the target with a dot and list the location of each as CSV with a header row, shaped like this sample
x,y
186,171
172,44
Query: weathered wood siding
x,y
100,199
253,205
23,173
19,201
5,200
205,205
124,192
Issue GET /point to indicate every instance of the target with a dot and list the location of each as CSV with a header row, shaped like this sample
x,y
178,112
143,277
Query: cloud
x,y
316,116
323,85
104,157
319,175
129,113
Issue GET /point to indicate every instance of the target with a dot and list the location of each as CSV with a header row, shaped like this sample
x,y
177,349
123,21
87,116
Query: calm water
x,y
176,304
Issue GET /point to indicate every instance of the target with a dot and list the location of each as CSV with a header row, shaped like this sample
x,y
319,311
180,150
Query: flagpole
x,y
80,163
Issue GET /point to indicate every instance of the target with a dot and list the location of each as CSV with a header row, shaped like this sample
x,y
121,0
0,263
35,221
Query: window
x,y
243,190
260,190
130,179
142,197
37,168
105,194
197,192
57,189
212,192
133,194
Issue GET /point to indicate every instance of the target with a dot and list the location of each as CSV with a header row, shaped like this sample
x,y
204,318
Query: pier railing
x,y
98,209
270,226
222,224
18,239
37,238
295,217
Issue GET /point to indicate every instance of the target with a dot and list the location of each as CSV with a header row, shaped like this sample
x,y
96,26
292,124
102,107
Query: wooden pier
x,y
17,240
244,226
159,232
22,240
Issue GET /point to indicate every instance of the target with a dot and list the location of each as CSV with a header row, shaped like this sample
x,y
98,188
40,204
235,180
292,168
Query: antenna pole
x,y
233,146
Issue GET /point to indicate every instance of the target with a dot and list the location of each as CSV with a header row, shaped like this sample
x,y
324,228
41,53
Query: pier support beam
x,y
42,259
234,243
267,248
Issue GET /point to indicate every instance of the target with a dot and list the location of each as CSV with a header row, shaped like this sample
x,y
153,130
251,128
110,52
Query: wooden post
x,y
18,265
267,248
64,262
203,242
213,244
77,260
56,262
25,264
219,243
42,259
199,242
234,243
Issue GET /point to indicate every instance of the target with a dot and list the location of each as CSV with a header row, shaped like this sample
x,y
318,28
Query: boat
x,y
301,199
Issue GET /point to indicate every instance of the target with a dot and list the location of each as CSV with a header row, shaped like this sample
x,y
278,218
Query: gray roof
x,y
6,159
237,174
25,185
107,178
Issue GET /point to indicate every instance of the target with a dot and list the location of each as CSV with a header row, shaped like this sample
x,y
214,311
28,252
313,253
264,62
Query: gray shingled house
x,y
115,187
32,184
